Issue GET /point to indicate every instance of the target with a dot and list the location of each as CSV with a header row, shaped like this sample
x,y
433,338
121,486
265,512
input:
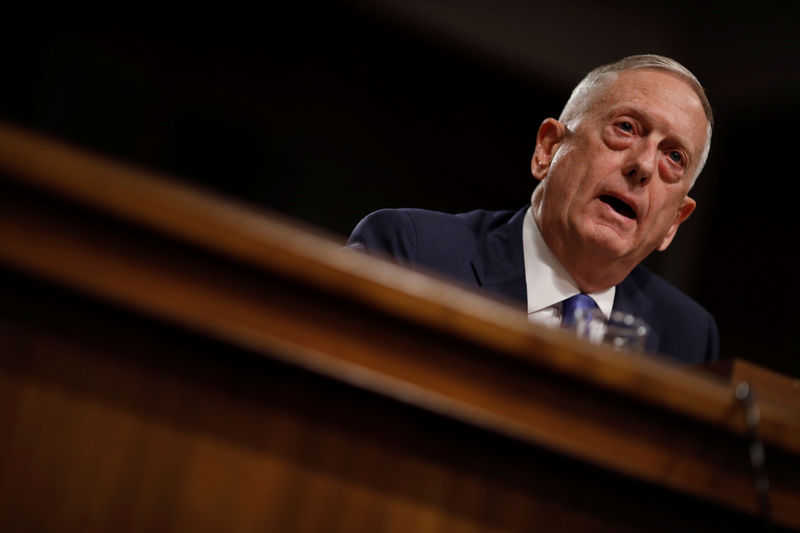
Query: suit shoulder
x,y
433,239
470,219
426,225
386,231
687,329
668,295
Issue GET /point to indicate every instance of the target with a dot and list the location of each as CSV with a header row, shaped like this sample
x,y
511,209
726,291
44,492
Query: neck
x,y
597,277
591,271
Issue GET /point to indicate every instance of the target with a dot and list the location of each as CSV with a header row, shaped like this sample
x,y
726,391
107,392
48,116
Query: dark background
x,y
327,111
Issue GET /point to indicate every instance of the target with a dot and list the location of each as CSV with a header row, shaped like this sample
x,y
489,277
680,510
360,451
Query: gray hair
x,y
583,95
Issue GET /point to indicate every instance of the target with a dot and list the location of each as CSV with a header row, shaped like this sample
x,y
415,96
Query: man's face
x,y
615,183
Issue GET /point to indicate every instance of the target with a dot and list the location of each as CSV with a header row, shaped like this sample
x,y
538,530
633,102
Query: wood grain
x,y
166,258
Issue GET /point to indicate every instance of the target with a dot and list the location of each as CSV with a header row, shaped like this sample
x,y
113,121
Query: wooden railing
x,y
174,360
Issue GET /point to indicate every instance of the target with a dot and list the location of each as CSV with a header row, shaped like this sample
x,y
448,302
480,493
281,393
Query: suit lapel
x,y
499,264
630,298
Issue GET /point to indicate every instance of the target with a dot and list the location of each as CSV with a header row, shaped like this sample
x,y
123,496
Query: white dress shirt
x,y
548,282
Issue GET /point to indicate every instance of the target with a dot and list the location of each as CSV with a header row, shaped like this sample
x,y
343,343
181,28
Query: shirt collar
x,y
547,280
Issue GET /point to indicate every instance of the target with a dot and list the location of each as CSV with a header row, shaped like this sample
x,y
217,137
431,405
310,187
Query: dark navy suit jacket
x,y
483,249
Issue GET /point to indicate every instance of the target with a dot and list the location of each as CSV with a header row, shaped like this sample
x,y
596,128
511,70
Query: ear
x,y
548,139
686,209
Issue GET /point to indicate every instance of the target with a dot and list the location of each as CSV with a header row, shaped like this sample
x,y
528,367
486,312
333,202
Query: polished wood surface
x,y
767,384
213,286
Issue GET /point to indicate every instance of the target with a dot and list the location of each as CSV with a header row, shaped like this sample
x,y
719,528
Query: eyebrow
x,y
642,116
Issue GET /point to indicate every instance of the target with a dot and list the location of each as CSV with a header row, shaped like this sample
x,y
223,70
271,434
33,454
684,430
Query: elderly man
x,y
614,174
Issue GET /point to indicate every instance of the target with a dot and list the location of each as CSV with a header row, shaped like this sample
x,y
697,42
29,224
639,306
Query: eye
x,y
676,156
626,127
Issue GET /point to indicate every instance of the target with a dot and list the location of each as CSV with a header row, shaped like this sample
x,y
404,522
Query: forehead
x,y
664,98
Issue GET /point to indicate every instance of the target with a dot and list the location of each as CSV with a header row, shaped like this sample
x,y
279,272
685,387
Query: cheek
x,y
576,162
566,182
669,172
616,143
664,204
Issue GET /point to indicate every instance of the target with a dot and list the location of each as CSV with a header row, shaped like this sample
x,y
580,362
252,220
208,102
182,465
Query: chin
x,y
611,253
607,243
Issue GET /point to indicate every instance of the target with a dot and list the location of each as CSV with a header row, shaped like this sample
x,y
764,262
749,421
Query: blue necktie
x,y
572,304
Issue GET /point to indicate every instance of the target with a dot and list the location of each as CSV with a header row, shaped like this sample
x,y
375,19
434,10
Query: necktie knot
x,y
571,305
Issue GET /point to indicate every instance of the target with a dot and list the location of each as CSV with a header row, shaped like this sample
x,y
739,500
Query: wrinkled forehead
x,y
643,82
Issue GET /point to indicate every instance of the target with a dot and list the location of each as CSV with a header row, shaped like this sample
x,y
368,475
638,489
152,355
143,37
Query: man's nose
x,y
640,162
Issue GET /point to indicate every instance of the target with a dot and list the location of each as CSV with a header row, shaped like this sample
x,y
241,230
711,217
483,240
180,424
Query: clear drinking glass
x,y
621,330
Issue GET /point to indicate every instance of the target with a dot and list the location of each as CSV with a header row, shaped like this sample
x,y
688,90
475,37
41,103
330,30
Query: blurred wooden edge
x,y
267,241
768,385
250,236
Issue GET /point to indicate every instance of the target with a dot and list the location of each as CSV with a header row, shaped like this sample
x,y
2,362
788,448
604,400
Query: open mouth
x,y
619,206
